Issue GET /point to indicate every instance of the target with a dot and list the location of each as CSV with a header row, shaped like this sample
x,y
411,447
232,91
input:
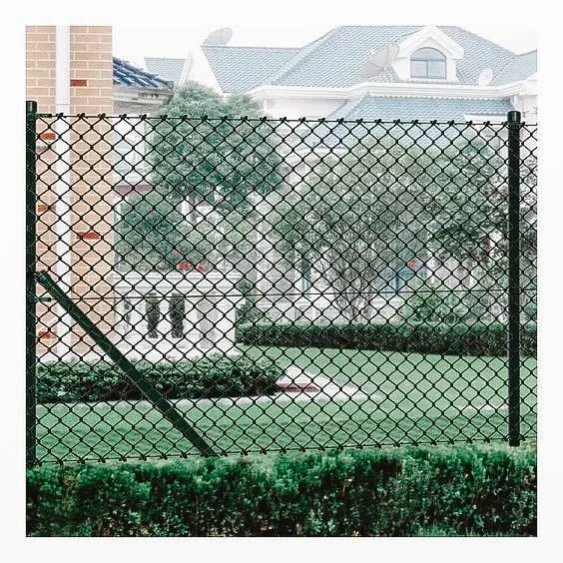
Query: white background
x,y
513,18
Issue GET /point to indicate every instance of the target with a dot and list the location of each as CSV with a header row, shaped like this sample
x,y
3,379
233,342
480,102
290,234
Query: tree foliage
x,y
208,156
367,212
358,213
198,154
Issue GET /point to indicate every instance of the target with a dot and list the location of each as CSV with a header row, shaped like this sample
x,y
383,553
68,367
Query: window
x,y
130,146
428,63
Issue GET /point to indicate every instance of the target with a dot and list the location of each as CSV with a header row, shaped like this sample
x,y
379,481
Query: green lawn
x,y
411,399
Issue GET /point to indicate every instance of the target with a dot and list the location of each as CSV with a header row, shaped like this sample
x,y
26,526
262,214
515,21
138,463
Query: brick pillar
x,y
40,86
91,86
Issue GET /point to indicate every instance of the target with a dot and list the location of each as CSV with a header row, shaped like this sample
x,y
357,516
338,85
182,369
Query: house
x,y
387,73
374,72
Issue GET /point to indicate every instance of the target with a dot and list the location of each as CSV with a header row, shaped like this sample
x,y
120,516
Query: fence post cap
x,y
514,116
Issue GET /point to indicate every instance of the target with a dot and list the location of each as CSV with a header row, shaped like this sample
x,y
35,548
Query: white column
x,y
164,324
62,169
137,320
183,344
136,330
193,335
122,312
207,319
225,325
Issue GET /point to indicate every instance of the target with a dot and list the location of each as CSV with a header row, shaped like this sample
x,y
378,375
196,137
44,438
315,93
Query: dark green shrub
x,y
429,303
459,339
406,492
206,377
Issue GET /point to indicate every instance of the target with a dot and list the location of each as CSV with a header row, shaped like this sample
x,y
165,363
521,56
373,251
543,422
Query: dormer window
x,y
428,63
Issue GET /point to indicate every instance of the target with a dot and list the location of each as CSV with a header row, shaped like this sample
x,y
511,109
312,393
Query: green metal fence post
x,y
30,264
514,278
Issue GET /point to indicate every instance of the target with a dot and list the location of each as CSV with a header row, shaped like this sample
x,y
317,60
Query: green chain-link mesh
x,y
285,285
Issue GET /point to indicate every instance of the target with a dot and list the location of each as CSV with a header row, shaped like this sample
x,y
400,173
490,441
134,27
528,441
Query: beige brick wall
x,y
91,85
40,66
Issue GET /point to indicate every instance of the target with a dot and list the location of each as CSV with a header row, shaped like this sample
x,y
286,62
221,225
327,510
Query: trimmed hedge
x,y
415,491
193,379
458,339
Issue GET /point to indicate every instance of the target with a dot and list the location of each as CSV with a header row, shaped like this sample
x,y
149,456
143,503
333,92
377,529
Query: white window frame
x,y
427,61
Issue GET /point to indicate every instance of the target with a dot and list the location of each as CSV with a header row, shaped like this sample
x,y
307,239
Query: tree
x,y
199,152
359,215
208,157
367,212
469,220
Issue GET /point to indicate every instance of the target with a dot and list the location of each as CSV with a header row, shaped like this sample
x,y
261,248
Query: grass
x,y
412,399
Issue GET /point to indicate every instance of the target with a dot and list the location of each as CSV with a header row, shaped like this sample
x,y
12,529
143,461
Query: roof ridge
x,y
504,67
292,63
135,68
528,52
121,67
249,47
514,60
301,54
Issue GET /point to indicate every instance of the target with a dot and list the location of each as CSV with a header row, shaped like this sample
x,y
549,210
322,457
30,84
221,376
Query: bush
x,y
206,377
431,301
438,338
413,491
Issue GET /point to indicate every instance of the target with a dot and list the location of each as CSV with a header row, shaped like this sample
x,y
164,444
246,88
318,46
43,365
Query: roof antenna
x,y
380,60
485,77
219,37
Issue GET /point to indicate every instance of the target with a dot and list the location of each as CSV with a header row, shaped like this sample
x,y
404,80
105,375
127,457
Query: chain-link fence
x,y
240,285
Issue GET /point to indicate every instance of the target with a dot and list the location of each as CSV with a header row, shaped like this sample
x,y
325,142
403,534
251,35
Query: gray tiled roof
x,y
169,69
388,109
239,69
126,74
520,68
423,109
336,59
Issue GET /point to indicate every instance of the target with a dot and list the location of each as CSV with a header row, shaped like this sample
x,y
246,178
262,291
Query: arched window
x,y
428,63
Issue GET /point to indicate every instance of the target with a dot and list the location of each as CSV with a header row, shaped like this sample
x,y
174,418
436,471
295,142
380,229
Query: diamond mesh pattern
x,y
286,285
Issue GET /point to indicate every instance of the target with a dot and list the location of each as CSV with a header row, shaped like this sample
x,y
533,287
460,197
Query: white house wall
x,y
295,108
526,101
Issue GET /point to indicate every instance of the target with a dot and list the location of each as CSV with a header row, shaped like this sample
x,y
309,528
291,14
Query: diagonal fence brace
x,y
152,394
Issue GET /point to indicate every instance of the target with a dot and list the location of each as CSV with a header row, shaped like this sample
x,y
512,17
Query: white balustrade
x,y
208,323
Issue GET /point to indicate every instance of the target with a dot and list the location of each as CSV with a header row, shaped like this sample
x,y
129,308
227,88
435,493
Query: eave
x,y
399,89
143,97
